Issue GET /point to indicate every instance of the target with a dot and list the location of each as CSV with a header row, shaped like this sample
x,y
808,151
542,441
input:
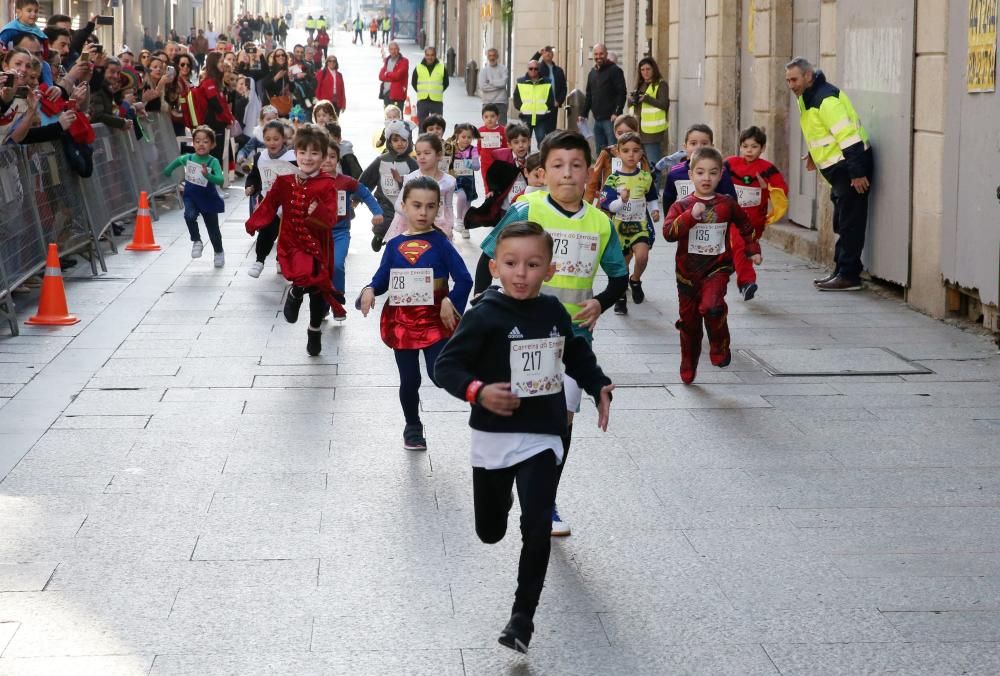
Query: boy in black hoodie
x,y
507,359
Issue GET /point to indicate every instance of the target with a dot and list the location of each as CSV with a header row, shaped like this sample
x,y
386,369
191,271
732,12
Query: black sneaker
x,y
517,634
314,342
824,280
749,291
621,306
413,438
638,295
377,243
292,305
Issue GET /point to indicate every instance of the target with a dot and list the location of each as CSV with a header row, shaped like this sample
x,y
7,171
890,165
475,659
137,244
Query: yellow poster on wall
x,y
981,74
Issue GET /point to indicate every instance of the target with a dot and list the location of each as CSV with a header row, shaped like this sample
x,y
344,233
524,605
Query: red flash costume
x,y
305,247
754,200
704,263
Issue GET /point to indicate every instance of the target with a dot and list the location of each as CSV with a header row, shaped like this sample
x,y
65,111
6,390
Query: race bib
x,y
683,188
444,164
516,190
341,203
707,239
633,210
270,172
411,286
462,168
575,253
193,175
386,181
747,196
616,165
536,366
490,140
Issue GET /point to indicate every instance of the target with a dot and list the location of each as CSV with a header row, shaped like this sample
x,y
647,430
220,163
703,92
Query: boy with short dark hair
x,y
492,137
507,359
308,203
585,241
700,223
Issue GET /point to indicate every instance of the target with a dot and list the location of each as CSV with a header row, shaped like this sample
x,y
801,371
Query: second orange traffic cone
x,y
142,238
52,308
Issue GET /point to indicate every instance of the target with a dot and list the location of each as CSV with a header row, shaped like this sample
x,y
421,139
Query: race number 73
x,y
560,247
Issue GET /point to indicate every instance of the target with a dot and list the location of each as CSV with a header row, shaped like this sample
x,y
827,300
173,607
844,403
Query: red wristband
x,y
472,391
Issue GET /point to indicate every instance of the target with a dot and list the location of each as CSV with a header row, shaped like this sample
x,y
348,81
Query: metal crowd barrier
x,y
43,200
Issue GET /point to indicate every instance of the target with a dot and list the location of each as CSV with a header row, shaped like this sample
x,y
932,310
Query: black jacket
x,y
558,78
857,159
480,350
606,92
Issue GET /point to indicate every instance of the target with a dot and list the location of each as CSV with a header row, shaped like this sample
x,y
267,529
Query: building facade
x,y
908,66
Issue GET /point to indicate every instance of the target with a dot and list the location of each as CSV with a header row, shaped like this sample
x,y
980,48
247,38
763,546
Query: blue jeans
x,y
191,213
653,153
341,242
604,134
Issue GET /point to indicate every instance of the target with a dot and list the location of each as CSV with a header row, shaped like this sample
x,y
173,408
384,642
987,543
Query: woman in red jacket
x,y
330,85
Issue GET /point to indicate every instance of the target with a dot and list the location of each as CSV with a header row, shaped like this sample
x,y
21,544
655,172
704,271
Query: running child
x,y
275,160
349,192
308,203
585,241
492,137
349,164
608,162
505,181
323,113
435,124
629,193
428,150
679,184
244,158
507,360
699,223
390,114
534,174
421,313
384,176
464,165
758,183
202,176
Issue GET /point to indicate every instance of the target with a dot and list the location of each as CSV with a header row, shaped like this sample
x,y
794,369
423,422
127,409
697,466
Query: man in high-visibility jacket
x,y
429,80
838,146
536,101
310,26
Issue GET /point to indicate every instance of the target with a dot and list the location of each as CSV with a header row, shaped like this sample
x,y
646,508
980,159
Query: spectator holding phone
x,y
20,119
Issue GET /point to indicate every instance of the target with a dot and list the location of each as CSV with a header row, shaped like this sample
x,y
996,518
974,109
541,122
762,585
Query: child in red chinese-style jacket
x,y
308,203
758,183
699,223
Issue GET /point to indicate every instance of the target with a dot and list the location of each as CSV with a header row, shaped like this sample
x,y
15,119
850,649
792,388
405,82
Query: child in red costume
x,y
421,313
699,223
308,203
758,183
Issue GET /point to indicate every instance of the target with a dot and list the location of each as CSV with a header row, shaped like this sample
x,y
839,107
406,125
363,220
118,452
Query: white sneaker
x,y
196,249
255,269
559,527
220,259
460,226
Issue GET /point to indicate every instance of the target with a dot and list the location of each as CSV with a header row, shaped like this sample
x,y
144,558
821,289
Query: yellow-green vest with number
x,y
571,289
430,84
830,128
534,99
652,120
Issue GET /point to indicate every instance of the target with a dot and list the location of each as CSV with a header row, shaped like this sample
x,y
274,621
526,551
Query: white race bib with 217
x,y
536,366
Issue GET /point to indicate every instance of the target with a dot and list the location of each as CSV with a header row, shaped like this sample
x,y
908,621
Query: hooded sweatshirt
x,y
378,178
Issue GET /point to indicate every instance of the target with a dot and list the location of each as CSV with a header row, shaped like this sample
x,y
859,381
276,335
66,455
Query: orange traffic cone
x,y
52,309
408,112
142,238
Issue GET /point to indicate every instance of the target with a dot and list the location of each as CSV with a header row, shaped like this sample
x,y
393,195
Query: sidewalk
x,y
185,491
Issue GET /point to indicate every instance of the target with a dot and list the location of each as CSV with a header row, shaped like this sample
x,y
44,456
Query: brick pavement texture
x,y
186,492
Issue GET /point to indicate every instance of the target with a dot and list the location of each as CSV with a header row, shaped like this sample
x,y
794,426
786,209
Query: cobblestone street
x,y
185,491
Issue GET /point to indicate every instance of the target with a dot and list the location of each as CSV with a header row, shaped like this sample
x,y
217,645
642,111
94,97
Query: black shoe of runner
x,y
638,295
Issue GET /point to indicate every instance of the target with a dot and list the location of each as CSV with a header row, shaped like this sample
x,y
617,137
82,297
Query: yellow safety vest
x,y
320,23
534,99
652,120
310,23
386,24
430,85
830,129
579,245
